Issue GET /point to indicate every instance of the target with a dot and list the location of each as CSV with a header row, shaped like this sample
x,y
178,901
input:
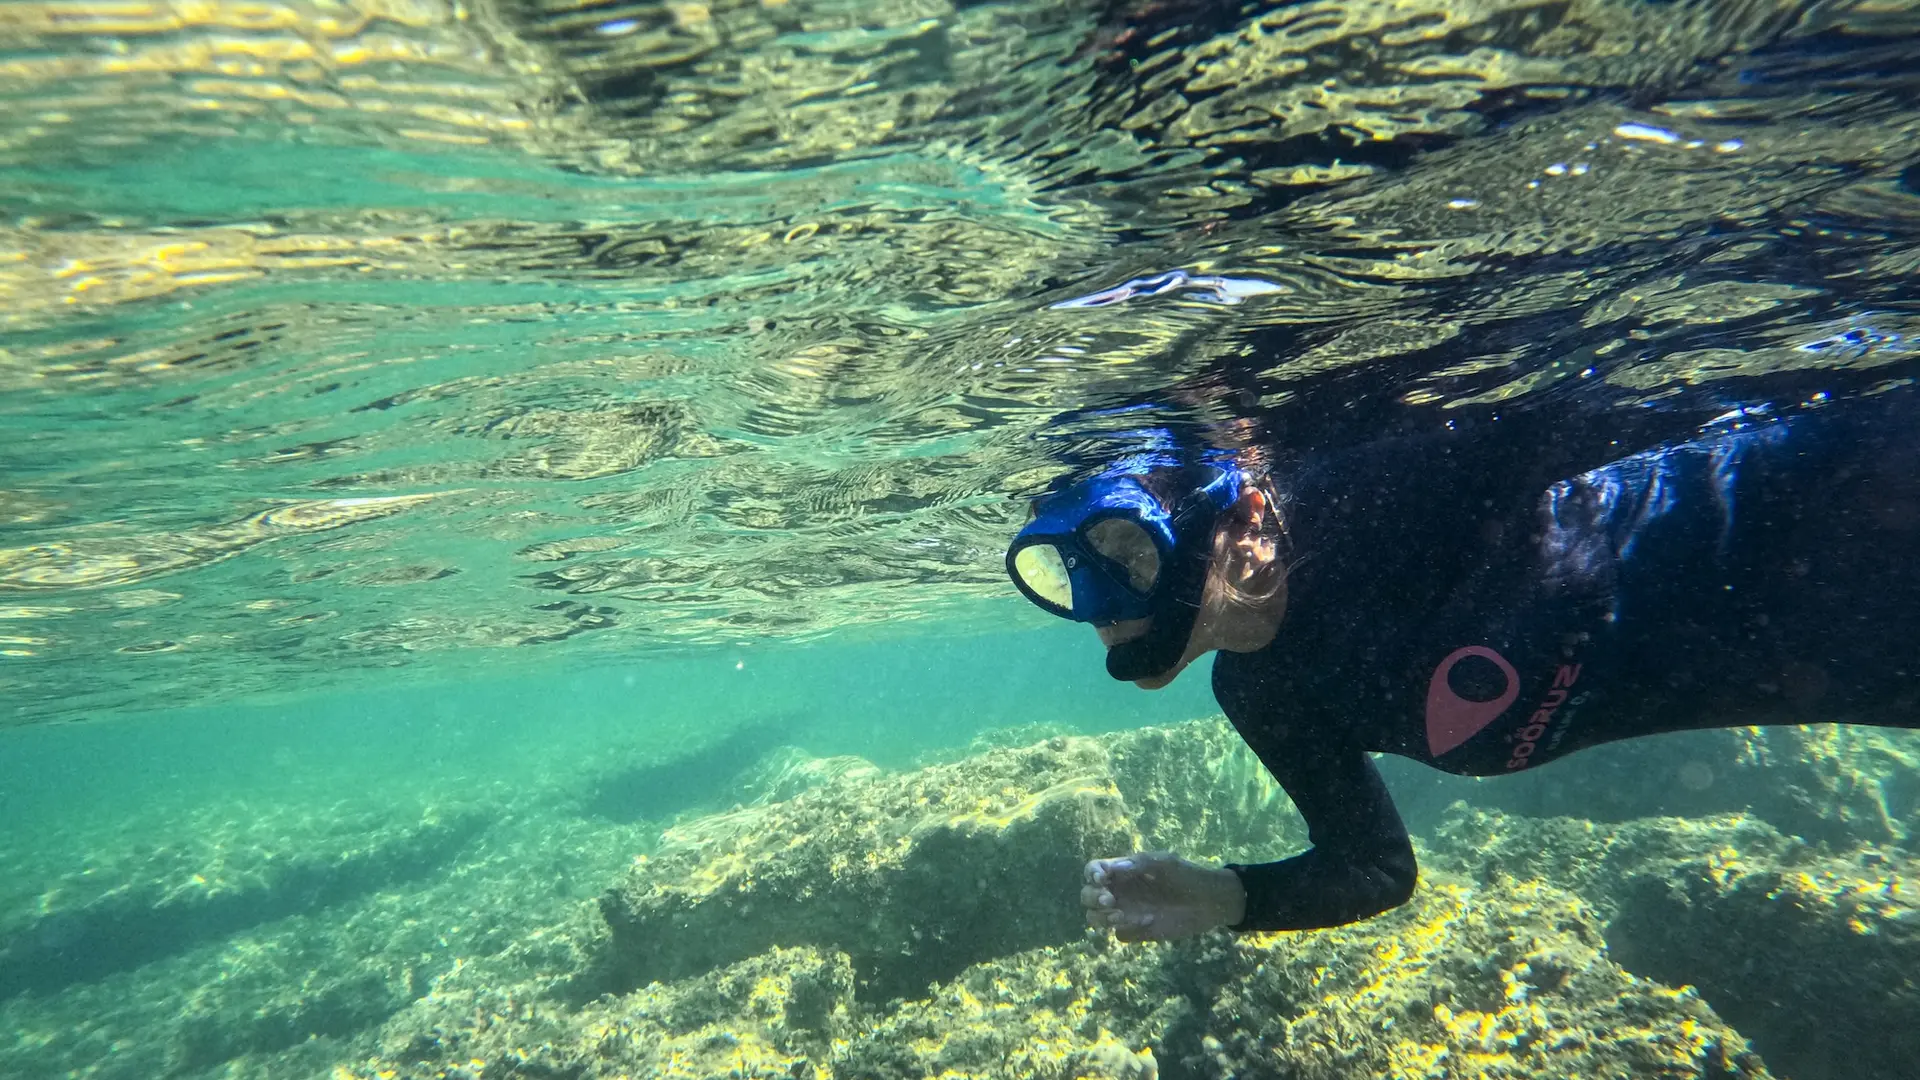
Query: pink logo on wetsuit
x,y
1452,719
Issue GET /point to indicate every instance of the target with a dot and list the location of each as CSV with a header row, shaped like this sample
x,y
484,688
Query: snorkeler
x,y
1486,600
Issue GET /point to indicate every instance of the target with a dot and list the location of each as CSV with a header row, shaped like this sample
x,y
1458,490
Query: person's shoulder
x,y
1270,690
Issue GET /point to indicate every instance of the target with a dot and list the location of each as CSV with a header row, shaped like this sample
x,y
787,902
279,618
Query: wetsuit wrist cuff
x,y
1246,911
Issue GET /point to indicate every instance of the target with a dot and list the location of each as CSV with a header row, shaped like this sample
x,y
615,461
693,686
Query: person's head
x,y
1167,564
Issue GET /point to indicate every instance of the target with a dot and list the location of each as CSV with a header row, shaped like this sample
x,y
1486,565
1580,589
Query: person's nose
x,y
1122,632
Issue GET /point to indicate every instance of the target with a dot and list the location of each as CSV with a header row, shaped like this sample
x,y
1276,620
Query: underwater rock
x,y
1503,980
211,1033
925,924
770,1016
1506,979
1812,954
914,875
1464,983
910,875
1195,788
146,903
787,771
1842,784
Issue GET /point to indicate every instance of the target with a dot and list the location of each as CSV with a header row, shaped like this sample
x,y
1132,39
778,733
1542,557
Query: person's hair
x,y
1253,565
1245,581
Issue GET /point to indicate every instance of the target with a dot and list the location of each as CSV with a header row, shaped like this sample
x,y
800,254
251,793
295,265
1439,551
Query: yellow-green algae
x,y
1813,952
778,1014
1506,980
910,873
1835,783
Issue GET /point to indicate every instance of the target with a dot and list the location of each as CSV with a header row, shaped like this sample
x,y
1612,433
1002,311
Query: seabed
x,y
838,920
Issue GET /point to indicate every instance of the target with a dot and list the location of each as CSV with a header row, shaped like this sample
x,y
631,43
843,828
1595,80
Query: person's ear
x,y
1252,512
1251,559
1252,505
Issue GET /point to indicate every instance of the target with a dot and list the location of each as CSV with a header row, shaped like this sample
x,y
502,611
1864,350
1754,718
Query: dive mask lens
x,y
1127,545
1108,550
1042,571
1095,552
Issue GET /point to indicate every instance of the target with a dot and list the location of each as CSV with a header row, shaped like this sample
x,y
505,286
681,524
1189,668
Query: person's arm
x,y
1361,862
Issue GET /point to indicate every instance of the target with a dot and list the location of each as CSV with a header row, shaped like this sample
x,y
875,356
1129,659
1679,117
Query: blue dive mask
x,y
1106,550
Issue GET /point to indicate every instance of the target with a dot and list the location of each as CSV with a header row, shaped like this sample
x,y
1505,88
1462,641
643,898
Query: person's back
x,y
1487,600
1763,572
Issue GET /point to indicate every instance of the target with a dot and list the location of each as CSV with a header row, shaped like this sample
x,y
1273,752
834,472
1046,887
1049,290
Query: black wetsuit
x,y
1453,602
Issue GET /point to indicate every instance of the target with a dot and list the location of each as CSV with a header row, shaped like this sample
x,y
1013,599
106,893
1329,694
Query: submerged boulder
x,y
774,1016
1813,954
1464,983
914,876
917,875
882,926
1506,980
1838,783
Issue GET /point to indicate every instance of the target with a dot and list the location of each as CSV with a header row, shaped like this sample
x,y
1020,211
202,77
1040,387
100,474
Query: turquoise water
x,y
911,698
265,855
454,449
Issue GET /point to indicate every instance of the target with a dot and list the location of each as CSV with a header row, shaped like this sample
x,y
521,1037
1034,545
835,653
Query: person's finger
x,y
1139,927
1095,896
1115,875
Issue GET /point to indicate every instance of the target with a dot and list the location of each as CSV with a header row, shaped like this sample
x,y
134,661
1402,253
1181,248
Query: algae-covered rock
x,y
774,1015
1835,782
1195,788
1464,983
1078,1011
141,902
925,924
1506,980
916,876
1765,925
1764,942
1838,783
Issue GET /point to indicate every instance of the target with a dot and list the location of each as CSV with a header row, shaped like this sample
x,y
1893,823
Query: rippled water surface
x,y
398,332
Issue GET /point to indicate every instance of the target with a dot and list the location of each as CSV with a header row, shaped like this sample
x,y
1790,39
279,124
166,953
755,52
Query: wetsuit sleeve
x,y
1361,862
